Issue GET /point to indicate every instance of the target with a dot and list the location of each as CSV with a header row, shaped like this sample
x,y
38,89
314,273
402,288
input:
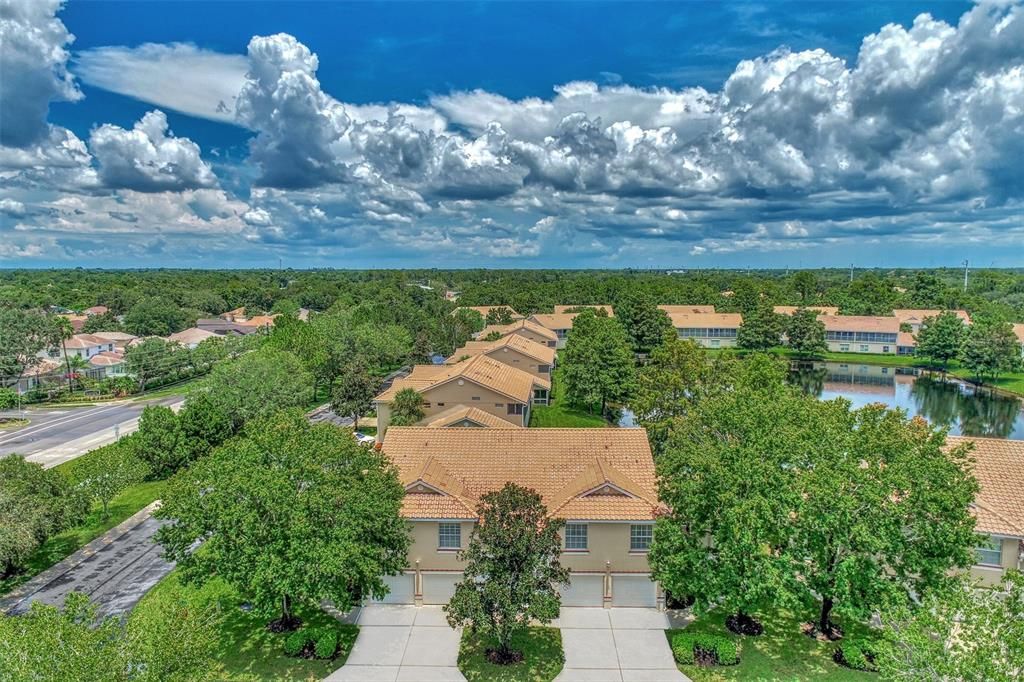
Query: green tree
x,y
153,359
173,642
107,471
156,316
512,572
406,408
960,633
286,497
34,504
805,284
597,364
493,336
941,338
884,510
161,442
204,426
421,349
990,348
646,324
104,322
805,333
499,315
255,385
761,329
928,291
869,294
679,375
312,344
354,392
725,480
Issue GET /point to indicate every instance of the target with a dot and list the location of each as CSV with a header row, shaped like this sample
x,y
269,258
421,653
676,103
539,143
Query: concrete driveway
x,y
616,645
400,643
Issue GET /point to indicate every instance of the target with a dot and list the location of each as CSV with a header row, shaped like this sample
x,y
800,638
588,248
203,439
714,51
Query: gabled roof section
x,y
460,413
566,308
692,309
999,467
527,325
560,464
706,320
516,342
481,369
918,315
433,480
820,309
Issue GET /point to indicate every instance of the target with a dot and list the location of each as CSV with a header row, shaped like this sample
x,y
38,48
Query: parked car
x,y
364,439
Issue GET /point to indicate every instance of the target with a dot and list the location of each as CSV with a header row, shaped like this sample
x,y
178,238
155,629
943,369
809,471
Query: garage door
x,y
401,591
633,590
438,588
584,590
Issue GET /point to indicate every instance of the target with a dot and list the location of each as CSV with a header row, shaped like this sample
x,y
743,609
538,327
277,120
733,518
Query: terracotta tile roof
x,y
559,309
480,369
860,323
507,329
569,468
484,309
433,506
454,415
706,320
517,342
554,320
917,315
790,309
96,310
115,336
999,467
1018,330
191,335
906,339
106,359
687,308
86,341
259,321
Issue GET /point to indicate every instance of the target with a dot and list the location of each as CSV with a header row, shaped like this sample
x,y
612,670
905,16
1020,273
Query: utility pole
x,y
965,276
851,272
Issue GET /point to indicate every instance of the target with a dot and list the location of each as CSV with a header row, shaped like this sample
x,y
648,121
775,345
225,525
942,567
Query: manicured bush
x,y
325,642
857,654
704,648
296,642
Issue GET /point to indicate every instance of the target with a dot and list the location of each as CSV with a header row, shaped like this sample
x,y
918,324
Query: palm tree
x,y
75,365
66,331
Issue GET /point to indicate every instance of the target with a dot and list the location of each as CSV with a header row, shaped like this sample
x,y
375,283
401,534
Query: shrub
x,y
296,642
857,654
8,399
704,648
325,643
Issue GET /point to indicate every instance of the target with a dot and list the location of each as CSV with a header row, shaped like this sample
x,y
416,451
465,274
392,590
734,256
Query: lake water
x,y
966,410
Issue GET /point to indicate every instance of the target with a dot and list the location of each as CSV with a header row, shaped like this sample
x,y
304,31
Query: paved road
x,y
57,434
115,570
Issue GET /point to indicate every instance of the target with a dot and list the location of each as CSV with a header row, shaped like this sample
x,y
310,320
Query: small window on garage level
x,y
990,553
640,537
575,536
449,536
515,408
543,369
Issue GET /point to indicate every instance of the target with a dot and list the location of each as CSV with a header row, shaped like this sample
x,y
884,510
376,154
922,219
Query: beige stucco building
x,y
999,506
515,350
711,330
480,382
861,333
915,317
600,481
525,328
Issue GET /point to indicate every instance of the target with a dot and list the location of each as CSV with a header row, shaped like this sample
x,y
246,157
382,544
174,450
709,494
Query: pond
x,y
965,409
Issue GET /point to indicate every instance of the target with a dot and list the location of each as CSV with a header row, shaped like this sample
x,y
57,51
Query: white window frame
x,y
993,549
445,532
638,531
573,543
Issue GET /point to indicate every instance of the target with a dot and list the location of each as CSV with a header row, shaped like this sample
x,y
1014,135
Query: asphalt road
x,y
51,428
115,576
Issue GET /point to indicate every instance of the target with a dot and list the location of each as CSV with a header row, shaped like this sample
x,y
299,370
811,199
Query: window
x,y
843,347
543,369
540,395
575,536
640,537
476,397
864,348
885,349
440,404
426,406
991,553
551,344
515,408
715,343
499,404
449,536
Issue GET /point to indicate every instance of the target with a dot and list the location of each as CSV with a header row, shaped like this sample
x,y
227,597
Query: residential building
x,y
236,315
77,321
481,382
915,317
1018,331
559,323
121,339
514,350
463,416
600,481
96,310
711,330
820,309
906,343
525,328
999,506
687,309
485,309
45,372
562,309
191,337
226,327
79,346
861,333
109,364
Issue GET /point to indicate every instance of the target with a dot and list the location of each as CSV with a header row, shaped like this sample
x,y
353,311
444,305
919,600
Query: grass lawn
x,y
246,650
542,657
783,652
558,414
63,544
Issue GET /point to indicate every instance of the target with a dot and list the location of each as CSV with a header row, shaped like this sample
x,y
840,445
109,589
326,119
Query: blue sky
x,y
507,134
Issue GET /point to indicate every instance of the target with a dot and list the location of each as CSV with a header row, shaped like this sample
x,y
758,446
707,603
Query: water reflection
x,y
963,408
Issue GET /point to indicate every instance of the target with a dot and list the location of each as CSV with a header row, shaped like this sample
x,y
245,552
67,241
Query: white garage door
x,y
584,590
633,590
401,591
438,588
